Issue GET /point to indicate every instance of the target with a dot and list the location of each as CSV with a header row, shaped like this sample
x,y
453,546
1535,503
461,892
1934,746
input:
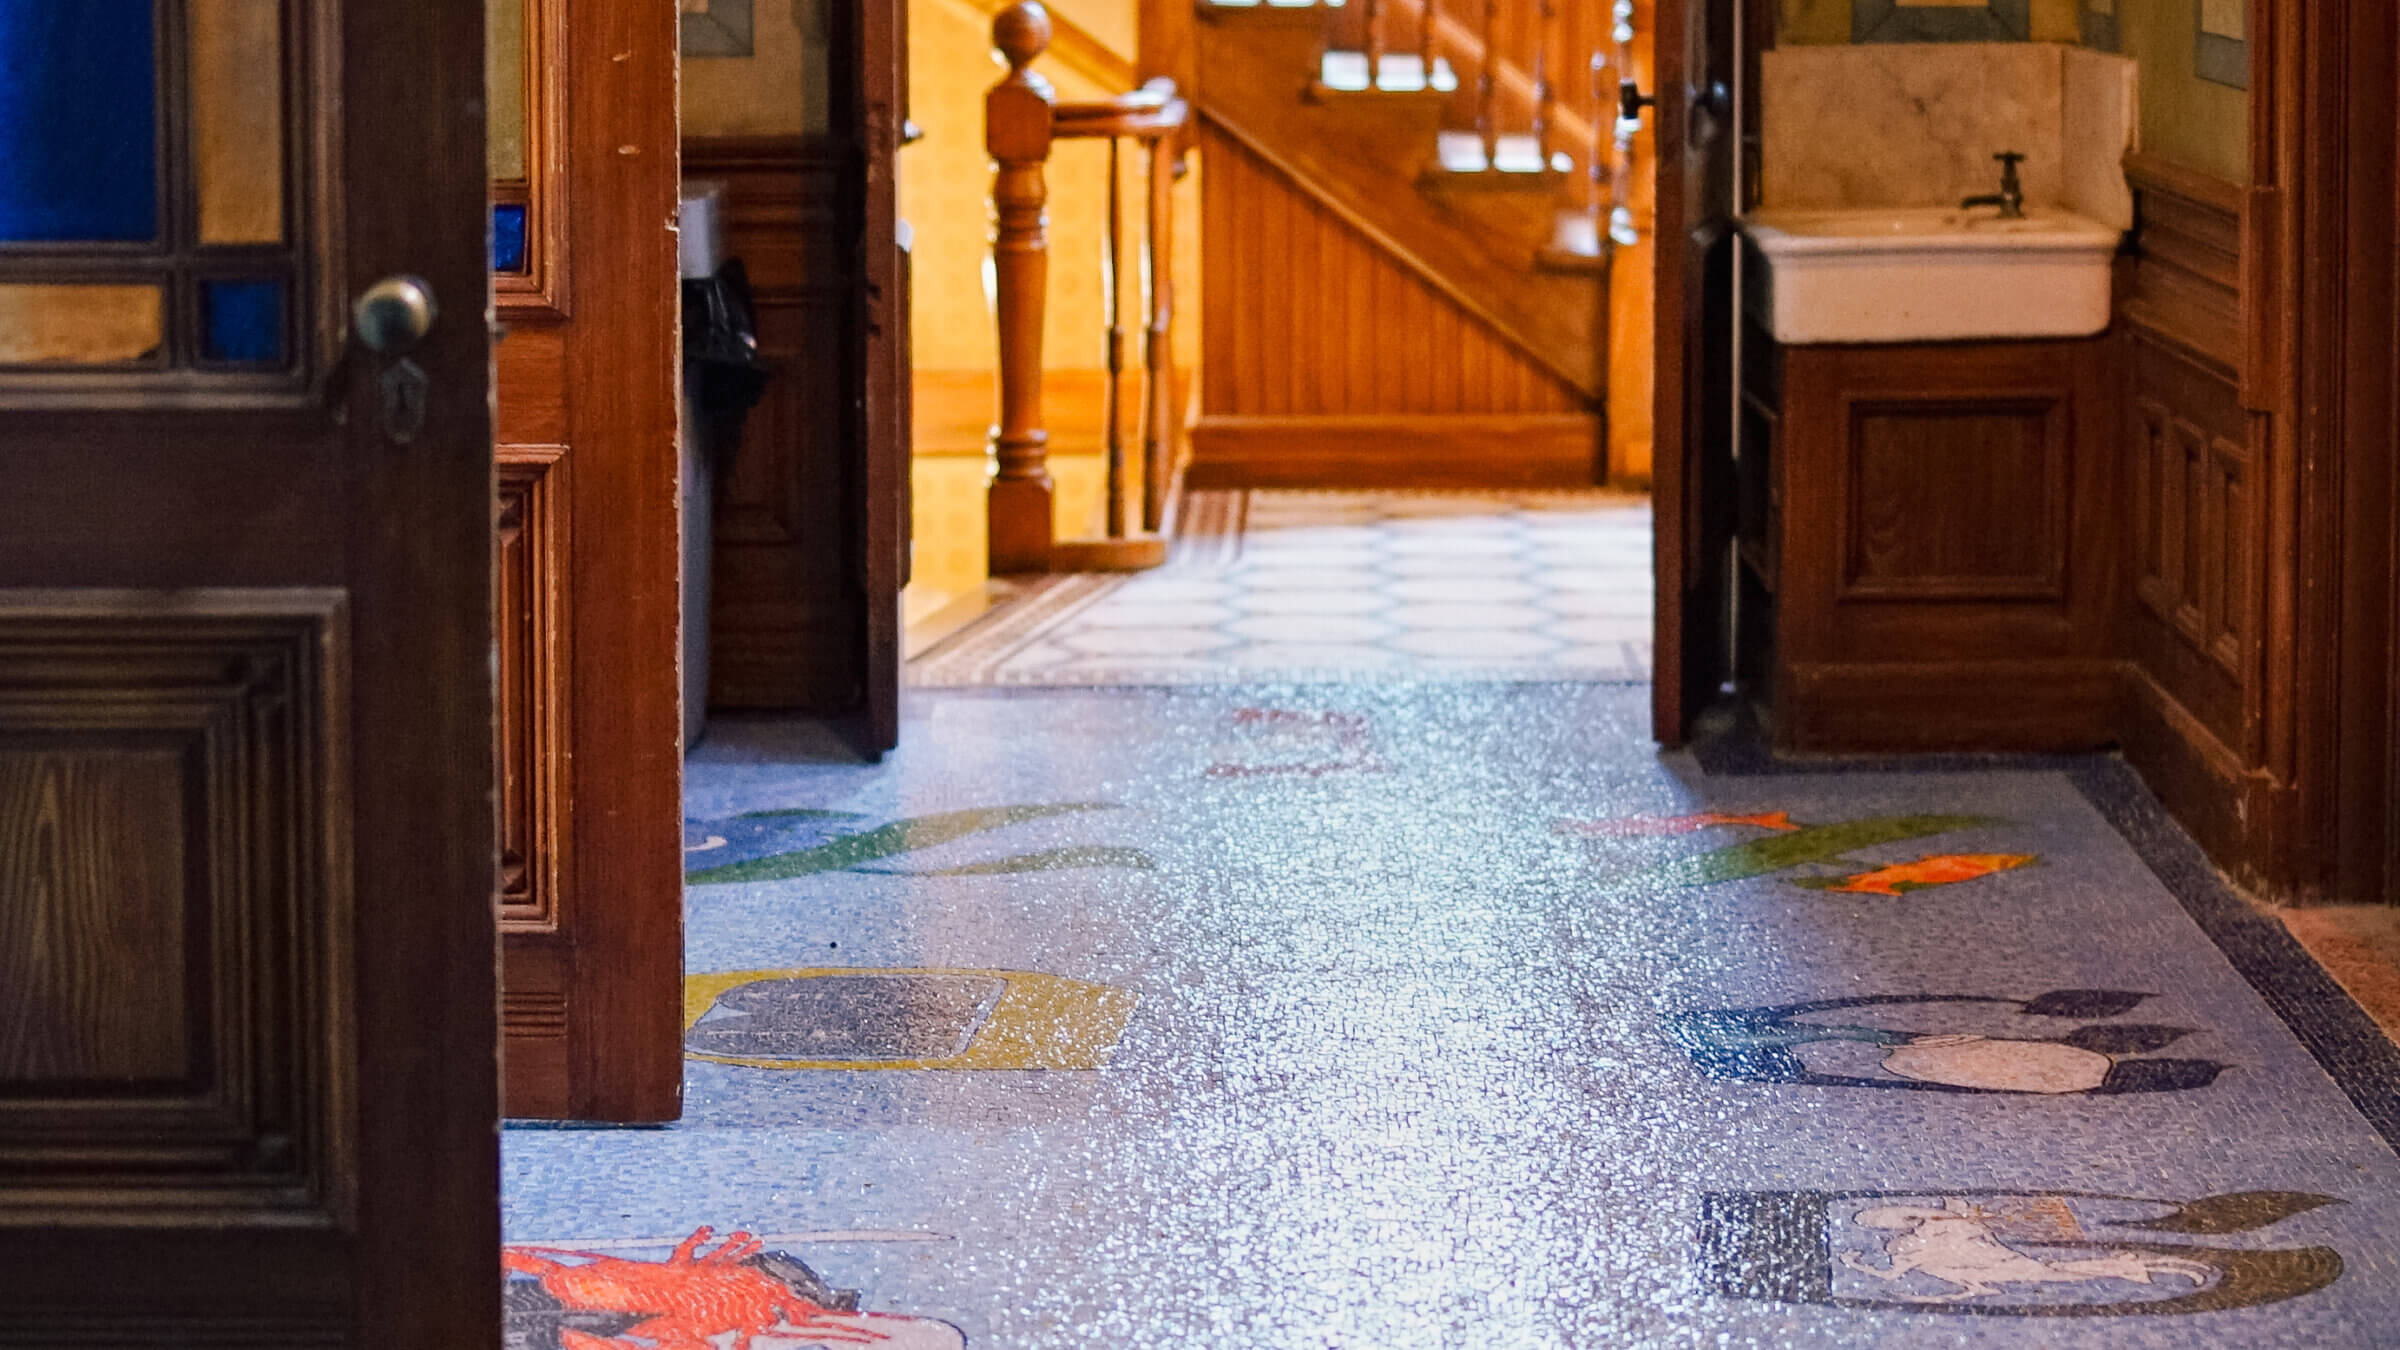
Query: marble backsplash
x,y
1918,124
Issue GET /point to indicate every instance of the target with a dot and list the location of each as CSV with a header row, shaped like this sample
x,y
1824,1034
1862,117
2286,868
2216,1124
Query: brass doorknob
x,y
393,315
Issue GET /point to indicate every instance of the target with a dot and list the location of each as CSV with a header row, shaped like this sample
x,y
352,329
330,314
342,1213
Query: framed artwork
x,y
717,28
1941,21
2221,51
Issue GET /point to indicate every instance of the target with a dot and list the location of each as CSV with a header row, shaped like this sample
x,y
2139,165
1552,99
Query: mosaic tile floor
x,y
1345,586
1452,1016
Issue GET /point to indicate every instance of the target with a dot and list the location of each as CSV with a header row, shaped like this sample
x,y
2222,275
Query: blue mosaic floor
x,y
1454,1016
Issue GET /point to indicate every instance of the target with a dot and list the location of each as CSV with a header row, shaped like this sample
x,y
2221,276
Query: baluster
x,y
1604,117
1017,134
1620,176
1374,44
1487,116
1545,95
1158,346
1110,414
1429,18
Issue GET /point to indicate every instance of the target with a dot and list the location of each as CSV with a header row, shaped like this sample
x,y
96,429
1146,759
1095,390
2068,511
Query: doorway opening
x,y
1347,382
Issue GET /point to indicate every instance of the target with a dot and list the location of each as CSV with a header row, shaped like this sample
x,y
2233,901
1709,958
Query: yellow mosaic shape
x,y
1040,1022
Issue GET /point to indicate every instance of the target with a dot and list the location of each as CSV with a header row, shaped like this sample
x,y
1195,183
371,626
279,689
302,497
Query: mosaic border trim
x,y
2221,60
1208,529
2098,21
1891,21
720,28
2345,1042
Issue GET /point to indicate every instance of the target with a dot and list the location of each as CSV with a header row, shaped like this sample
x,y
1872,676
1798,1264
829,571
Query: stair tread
x,y
1367,156
1401,73
1519,152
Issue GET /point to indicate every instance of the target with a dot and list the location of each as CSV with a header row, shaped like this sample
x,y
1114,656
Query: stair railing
x,y
1022,122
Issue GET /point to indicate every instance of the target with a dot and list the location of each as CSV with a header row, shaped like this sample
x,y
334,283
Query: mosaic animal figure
x,y
1781,844
1956,1245
2021,1046
726,1297
791,842
1651,827
1937,869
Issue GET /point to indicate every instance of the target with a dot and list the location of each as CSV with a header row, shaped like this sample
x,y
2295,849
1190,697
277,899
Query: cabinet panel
x,y
1944,547
1956,500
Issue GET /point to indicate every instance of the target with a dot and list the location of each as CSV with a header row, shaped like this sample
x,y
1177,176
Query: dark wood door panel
x,y
248,1078
173,828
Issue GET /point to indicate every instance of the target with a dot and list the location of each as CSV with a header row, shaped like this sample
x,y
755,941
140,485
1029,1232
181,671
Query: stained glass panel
x,y
508,238
242,322
46,324
504,88
78,121
237,119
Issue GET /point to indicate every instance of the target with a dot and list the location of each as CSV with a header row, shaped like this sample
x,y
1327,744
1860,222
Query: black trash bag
x,y
720,345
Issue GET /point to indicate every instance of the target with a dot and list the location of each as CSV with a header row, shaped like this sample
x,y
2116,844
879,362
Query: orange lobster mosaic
x,y
703,1297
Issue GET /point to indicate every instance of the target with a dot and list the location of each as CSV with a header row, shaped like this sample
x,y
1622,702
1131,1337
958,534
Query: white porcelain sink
x,y
1933,275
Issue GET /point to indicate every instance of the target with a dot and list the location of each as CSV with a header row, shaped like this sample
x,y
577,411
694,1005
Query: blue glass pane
x,y
78,120
508,238
242,321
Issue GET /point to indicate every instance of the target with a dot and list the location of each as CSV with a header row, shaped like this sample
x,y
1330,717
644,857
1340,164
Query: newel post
x,y
1016,131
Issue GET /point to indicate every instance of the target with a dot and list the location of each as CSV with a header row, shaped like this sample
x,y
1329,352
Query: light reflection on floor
x,y
1448,1016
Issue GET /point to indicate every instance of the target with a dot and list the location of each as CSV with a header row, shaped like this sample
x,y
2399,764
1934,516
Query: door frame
x,y
2323,206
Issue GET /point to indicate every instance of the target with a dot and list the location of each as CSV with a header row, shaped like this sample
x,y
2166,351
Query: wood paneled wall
x,y
2198,535
1311,361
785,616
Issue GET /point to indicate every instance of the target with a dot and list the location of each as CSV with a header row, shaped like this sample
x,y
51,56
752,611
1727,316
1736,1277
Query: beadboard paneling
x,y
1325,324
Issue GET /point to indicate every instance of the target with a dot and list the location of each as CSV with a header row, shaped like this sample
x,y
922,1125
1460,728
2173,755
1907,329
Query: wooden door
x,y
247,1012
591,877
882,120
1697,68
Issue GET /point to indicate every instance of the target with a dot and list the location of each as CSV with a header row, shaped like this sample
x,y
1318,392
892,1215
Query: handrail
x,y
1144,114
1022,121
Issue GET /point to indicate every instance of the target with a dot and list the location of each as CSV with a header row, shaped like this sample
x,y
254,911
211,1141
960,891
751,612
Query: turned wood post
x,y
1017,132
1159,414
1429,20
1487,89
1112,403
1545,89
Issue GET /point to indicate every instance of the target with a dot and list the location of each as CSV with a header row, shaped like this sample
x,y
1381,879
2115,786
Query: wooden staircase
x,y
1448,146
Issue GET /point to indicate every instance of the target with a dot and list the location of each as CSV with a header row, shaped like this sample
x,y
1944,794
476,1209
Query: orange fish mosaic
x,y
1937,869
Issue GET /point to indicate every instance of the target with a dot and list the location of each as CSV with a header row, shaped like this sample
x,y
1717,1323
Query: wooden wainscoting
x,y
1325,363
786,609
2197,515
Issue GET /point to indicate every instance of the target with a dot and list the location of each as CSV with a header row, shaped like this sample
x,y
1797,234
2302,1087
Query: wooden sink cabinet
x,y
1926,544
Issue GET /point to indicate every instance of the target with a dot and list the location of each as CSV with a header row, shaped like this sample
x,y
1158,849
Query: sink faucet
x,y
2011,196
